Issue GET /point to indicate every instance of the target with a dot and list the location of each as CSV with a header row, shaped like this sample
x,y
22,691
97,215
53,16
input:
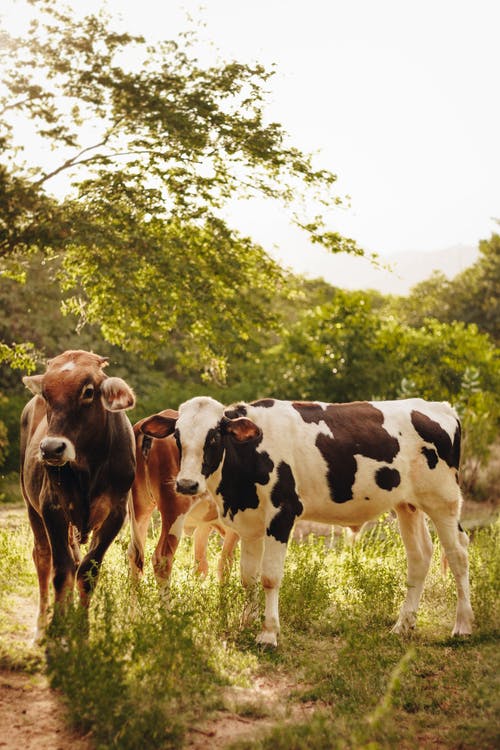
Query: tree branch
x,y
74,161
17,104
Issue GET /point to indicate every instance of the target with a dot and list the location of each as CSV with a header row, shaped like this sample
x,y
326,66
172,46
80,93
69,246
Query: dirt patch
x,y
32,716
250,712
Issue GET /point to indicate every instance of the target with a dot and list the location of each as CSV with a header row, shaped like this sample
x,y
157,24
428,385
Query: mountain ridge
x,y
406,268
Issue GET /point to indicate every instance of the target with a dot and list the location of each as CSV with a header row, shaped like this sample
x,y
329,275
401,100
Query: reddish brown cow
x,y
77,466
154,487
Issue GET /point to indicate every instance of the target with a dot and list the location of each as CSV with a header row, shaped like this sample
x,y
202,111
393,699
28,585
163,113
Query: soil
x,y
33,717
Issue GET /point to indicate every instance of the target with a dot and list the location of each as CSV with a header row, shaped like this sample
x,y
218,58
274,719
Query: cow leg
x,y
227,555
101,539
272,574
250,565
455,543
200,540
140,516
418,544
63,562
42,557
163,556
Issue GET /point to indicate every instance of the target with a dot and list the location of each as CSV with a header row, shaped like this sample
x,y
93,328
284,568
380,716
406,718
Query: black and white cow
x,y
271,462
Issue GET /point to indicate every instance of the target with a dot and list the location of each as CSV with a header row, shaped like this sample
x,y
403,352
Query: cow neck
x,y
72,485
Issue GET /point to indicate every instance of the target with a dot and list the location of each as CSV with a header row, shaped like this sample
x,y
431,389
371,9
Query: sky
x,y
399,98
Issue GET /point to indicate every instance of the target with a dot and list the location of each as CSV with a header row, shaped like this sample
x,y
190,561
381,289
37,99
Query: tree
x,y
329,353
151,153
476,291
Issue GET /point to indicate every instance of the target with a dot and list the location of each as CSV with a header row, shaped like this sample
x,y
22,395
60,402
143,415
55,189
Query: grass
x,y
144,676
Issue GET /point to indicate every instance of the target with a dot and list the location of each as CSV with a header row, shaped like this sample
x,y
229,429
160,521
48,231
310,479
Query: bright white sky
x,y
400,98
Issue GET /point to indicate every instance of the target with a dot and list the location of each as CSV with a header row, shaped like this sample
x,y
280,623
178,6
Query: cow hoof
x,y
463,623
267,640
461,630
403,629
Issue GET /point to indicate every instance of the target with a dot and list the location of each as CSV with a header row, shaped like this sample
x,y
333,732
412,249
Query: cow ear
x,y
116,395
242,429
159,425
34,383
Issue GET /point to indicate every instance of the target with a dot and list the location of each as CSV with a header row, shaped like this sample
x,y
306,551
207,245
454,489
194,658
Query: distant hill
x,y
407,268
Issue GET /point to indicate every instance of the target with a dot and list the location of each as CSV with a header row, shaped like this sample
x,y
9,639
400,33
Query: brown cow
x,y
77,466
154,487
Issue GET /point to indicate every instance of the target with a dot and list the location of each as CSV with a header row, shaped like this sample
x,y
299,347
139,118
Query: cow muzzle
x,y
56,451
187,487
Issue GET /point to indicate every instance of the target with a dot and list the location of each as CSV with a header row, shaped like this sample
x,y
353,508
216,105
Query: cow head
x,y
203,432
77,395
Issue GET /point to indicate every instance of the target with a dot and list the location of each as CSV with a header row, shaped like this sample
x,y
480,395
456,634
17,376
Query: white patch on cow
x,y
196,417
252,522
70,452
68,367
178,526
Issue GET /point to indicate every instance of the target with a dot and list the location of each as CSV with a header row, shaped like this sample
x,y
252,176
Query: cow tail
x,y
135,548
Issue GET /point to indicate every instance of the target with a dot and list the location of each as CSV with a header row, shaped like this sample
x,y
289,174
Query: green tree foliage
x,y
344,351
327,354
151,145
477,292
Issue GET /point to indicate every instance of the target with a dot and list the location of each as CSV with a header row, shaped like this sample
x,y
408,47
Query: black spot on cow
x,y
432,432
284,496
234,412
178,443
431,456
356,429
212,452
310,412
147,442
243,467
460,527
387,479
266,403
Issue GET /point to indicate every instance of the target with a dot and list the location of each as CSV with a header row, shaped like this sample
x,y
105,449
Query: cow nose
x,y
52,448
187,487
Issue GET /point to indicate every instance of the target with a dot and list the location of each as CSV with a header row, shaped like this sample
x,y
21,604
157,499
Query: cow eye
x,y
88,393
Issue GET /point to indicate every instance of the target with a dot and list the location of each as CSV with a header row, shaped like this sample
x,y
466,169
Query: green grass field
x,y
145,677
